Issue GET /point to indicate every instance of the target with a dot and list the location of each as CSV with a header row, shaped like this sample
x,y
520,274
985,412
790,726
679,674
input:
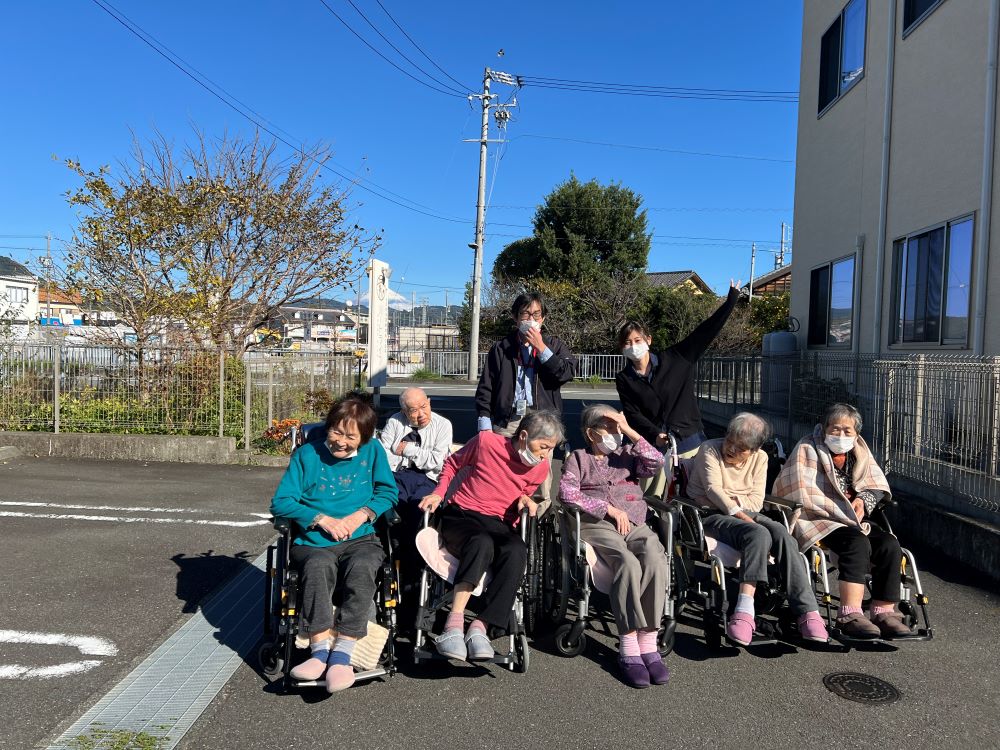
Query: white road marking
x,y
85,644
131,508
132,519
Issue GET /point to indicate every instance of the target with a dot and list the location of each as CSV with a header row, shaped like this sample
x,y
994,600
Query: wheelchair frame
x,y
276,651
436,593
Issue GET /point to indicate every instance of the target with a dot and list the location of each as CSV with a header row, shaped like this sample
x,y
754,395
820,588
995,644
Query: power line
x,y
733,95
671,239
658,87
419,49
463,91
225,97
373,49
654,148
676,209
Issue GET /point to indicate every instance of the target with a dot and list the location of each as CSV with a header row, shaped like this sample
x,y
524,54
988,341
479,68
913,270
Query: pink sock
x,y
477,624
455,621
883,609
647,641
629,645
844,611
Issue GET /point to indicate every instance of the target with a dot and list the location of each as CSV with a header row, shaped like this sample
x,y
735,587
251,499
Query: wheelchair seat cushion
x,y
728,556
439,559
600,572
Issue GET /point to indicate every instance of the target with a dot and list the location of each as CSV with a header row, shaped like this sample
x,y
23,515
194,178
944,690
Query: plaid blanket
x,y
809,476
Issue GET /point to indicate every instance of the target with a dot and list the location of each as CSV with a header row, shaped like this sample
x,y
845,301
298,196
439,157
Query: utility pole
x,y
424,300
753,261
779,260
48,279
413,310
446,307
477,269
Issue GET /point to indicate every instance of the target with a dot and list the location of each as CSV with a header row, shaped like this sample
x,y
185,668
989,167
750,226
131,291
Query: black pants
x,y
484,543
353,566
858,554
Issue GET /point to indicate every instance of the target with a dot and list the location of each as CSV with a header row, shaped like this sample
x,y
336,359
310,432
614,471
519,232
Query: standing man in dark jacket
x,y
523,373
657,389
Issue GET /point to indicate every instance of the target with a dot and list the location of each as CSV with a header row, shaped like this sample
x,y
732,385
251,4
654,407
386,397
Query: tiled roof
x,y
671,279
12,269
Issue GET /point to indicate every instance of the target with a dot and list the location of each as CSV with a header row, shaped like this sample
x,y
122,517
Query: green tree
x,y
218,236
582,231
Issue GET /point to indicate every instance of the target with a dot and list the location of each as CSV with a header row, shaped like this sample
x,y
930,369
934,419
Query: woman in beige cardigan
x,y
729,476
833,473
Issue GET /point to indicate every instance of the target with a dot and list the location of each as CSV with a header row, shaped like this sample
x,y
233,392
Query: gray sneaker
x,y
451,645
479,646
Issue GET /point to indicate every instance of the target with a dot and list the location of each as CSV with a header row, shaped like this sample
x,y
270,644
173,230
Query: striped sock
x,y
477,625
629,645
884,609
455,621
844,611
321,649
342,651
647,641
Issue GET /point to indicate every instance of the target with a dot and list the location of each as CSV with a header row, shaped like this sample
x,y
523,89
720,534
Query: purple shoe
x,y
634,671
658,672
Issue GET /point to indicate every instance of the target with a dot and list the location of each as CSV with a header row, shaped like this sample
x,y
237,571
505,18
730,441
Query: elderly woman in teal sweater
x,y
333,491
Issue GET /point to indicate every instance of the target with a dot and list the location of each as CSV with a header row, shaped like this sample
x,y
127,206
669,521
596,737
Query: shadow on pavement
x,y
202,574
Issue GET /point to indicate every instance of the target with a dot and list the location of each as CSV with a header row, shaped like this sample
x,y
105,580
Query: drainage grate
x,y
862,688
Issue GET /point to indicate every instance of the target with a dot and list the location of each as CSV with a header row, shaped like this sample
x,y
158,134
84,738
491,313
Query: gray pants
x,y
639,588
350,566
755,541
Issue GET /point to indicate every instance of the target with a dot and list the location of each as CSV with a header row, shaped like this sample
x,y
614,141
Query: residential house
x,y
895,177
778,281
679,280
56,308
18,299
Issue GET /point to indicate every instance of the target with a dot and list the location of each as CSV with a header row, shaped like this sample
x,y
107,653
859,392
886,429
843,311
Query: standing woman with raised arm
x,y
656,389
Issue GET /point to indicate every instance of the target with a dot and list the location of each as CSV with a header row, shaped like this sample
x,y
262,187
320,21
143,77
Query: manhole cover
x,y
862,688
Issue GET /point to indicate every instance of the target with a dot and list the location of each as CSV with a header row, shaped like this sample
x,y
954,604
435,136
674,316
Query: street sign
x,y
378,323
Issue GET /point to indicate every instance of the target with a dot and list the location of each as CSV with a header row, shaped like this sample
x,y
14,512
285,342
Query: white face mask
x,y
839,444
527,325
610,442
528,458
636,351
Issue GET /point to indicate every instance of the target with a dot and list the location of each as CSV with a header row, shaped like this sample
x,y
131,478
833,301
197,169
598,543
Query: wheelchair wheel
x,y
909,613
522,654
532,581
269,657
564,645
665,638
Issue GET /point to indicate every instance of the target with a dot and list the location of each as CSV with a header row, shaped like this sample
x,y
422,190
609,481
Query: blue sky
x,y
76,84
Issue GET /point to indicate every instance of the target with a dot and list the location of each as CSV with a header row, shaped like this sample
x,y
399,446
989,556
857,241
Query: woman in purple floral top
x,y
601,481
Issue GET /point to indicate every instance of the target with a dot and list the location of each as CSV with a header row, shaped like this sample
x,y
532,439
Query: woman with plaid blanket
x,y
833,473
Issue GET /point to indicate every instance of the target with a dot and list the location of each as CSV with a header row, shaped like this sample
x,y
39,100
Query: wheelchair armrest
x,y
782,502
685,502
282,525
657,504
391,517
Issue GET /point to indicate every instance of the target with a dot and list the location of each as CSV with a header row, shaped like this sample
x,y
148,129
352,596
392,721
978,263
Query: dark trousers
x,y
484,543
413,486
351,565
858,554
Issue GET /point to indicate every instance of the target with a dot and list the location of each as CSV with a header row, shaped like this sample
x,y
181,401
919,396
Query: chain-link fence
x,y
933,421
158,390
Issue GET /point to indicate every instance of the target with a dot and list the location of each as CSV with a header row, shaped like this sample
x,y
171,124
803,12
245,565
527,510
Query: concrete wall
x,y
184,449
935,165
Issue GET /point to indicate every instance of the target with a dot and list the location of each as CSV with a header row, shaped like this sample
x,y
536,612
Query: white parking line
x,y
132,519
131,508
85,644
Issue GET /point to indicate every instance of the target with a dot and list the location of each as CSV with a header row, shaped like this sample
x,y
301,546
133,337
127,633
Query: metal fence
x,y
933,421
408,362
121,389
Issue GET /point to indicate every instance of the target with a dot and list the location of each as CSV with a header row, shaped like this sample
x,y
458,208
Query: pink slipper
x,y
339,677
812,628
311,669
741,628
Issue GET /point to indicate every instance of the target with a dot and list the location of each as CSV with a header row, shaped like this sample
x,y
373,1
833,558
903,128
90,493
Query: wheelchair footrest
x,y
371,674
431,654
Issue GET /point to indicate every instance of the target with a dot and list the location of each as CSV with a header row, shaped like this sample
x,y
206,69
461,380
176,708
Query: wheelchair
x,y
436,594
569,572
276,652
912,599
706,569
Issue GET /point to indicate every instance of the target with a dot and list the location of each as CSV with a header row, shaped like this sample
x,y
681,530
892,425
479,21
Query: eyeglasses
x,y
532,315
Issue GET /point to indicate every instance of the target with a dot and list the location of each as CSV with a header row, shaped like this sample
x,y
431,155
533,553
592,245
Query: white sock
x,y
744,603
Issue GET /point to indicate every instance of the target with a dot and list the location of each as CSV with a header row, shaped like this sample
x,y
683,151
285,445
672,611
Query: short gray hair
x,y
542,424
840,411
593,415
408,391
747,431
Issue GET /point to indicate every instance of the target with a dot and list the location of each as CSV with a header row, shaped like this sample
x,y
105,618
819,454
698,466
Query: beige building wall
x,y
936,154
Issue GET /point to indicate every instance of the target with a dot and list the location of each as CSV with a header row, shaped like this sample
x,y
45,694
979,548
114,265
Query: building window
x,y
931,295
842,53
915,11
17,295
831,304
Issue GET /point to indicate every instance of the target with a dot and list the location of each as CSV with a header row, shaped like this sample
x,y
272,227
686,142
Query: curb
x,y
8,452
